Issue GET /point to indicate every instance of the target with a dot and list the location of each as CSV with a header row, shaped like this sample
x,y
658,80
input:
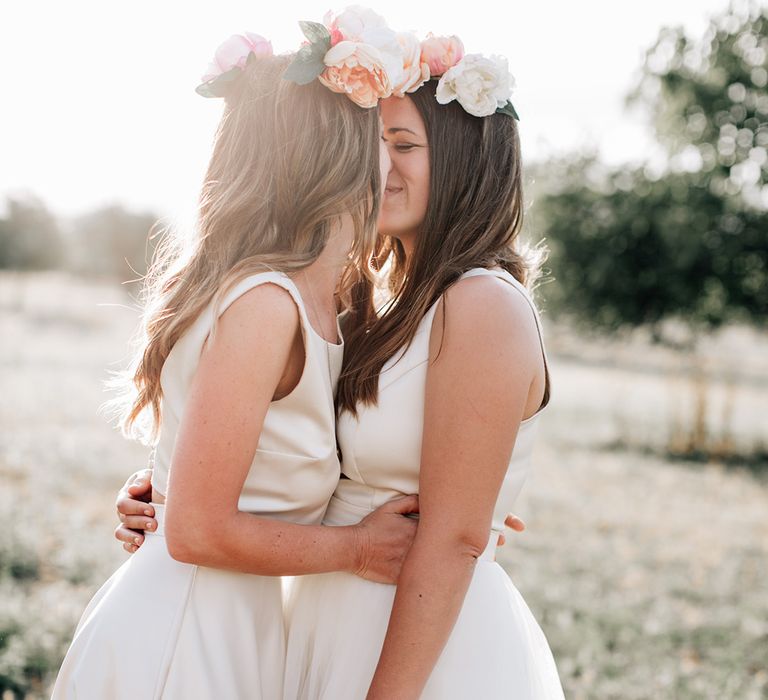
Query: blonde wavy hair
x,y
287,162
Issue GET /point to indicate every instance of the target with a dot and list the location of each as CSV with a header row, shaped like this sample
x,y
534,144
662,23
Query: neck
x,y
407,241
324,273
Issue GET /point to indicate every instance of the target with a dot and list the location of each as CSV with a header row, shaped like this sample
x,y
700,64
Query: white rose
x,y
481,85
354,22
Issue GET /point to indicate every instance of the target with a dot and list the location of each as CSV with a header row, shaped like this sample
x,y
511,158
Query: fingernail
x,y
148,512
149,526
137,540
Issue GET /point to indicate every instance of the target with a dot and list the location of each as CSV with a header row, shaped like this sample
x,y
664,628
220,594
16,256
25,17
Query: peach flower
x,y
357,70
441,53
414,71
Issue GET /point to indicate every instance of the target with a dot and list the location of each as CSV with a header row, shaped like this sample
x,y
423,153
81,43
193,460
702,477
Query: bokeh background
x,y
645,137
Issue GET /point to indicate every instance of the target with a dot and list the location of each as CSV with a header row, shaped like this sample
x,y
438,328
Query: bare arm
x,y
477,393
239,372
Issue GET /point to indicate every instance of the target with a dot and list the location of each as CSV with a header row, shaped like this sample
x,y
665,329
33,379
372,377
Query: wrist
x,y
359,549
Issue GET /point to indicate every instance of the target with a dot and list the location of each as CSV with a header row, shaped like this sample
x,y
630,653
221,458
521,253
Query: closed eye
x,y
404,147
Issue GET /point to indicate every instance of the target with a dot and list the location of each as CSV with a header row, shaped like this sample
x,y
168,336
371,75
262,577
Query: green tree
x,y
632,248
629,248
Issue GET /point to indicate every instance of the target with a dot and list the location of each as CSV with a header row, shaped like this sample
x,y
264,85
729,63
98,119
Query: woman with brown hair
x,y
235,380
440,395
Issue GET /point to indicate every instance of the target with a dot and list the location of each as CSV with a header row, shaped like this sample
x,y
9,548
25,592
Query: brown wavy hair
x,y
473,219
287,162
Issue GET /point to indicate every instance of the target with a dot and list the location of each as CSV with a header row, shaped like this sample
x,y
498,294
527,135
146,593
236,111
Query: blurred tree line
x,y
630,247
108,242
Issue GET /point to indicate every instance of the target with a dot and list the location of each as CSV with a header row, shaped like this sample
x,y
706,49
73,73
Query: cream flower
x,y
481,85
411,73
441,53
361,25
353,22
357,70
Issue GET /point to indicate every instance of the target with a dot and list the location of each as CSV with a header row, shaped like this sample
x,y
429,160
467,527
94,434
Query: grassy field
x,y
648,574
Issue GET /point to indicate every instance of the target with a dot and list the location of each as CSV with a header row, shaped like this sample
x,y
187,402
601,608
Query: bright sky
x,y
99,103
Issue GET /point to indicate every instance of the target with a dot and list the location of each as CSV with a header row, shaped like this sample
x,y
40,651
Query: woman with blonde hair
x,y
235,381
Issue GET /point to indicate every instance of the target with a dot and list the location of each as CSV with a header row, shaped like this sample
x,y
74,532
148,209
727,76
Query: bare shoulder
x,y
485,309
265,316
267,303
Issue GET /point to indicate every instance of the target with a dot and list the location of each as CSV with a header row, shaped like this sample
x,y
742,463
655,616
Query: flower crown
x,y
355,53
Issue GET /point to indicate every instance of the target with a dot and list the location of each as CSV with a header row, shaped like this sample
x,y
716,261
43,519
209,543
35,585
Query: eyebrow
x,y
395,129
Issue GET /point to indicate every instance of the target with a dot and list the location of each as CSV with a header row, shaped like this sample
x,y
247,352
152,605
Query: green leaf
x,y
218,86
315,32
308,63
508,109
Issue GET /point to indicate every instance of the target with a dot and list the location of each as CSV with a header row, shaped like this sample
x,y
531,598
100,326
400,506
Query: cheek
x,y
385,163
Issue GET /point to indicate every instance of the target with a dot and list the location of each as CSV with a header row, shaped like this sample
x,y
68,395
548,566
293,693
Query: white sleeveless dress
x,y
337,622
159,628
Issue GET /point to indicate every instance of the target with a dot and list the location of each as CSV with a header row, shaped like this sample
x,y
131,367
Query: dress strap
x,y
513,282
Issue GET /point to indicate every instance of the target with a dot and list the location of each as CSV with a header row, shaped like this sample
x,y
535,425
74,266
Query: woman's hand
x,y
384,538
134,511
513,523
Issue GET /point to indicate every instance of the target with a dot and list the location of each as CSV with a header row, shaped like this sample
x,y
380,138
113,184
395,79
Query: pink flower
x,y
414,71
234,52
357,70
441,53
336,36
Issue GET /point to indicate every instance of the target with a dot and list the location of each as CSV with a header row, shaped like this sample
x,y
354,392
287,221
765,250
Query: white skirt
x,y
159,628
337,623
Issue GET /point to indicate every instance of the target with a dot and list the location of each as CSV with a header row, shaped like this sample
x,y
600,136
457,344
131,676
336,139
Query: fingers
x,y
403,505
138,522
129,506
140,485
129,538
502,541
144,475
514,523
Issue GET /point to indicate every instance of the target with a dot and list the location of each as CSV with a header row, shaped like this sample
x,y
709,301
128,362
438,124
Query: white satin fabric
x,y
159,628
337,622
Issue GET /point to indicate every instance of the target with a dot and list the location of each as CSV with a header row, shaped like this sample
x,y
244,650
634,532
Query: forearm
x,y
259,545
430,593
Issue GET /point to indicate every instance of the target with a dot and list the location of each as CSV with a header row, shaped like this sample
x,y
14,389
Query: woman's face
x,y
407,186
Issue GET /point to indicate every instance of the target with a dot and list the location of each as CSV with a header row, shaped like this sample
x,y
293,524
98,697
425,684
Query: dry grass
x,y
647,576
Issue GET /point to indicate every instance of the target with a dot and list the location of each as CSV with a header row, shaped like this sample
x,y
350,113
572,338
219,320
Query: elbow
x,y
185,542
464,543
472,543
182,550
